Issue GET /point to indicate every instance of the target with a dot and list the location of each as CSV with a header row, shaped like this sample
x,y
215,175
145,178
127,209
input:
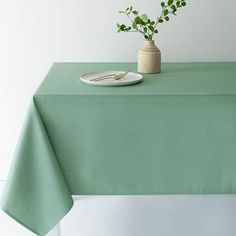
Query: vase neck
x,y
150,45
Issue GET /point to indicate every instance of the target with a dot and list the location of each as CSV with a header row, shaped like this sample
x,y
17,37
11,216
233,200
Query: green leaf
x,y
145,29
183,4
134,25
122,27
142,23
167,18
138,20
144,17
160,21
135,12
166,12
173,7
146,37
178,3
151,27
163,4
155,31
153,23
170,2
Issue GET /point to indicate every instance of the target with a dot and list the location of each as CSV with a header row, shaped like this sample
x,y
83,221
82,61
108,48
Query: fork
x,y
111,76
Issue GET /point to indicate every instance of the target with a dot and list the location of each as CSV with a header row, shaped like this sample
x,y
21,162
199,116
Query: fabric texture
x,y
174,133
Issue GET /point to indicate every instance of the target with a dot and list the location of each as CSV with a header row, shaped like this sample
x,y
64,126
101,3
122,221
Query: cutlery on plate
x,y
111,76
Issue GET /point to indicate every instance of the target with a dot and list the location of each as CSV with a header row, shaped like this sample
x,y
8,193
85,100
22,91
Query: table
x,y
175,133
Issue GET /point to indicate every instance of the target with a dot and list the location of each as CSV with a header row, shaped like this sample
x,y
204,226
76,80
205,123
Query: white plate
x,y
129,79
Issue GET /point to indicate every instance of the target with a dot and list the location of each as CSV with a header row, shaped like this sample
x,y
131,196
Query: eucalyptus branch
x,y
143,24
130,18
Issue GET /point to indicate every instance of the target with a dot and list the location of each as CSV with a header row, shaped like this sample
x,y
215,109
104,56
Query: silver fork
x,y
111,76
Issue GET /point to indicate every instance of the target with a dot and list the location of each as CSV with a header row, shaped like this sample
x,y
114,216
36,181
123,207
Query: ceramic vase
x,y
149,58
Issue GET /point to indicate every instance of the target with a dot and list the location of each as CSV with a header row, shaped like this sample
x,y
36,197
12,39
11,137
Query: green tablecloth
x,y
175,133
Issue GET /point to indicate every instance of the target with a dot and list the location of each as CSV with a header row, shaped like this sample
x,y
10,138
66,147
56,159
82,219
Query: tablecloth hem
x,y
30,228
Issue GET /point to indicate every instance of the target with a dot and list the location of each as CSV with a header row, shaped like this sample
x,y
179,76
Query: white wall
x,y
34,34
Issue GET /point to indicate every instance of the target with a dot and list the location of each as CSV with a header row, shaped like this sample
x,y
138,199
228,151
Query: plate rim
x,y
111,83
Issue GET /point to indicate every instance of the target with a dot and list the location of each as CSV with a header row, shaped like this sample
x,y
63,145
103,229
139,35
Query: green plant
x,y
143,24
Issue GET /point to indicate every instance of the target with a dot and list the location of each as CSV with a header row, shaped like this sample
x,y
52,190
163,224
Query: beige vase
x,y
149,58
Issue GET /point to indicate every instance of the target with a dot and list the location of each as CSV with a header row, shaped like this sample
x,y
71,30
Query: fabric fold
x,y
36,193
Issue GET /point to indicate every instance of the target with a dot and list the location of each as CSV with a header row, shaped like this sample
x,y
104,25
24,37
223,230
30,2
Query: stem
x,y
132,31
138,30
130,18
162,13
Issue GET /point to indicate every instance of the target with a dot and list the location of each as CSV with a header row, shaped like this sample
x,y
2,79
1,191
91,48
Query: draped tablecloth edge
x,y
36,175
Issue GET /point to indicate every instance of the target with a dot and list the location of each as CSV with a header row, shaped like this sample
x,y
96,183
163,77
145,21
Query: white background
x,y
34,34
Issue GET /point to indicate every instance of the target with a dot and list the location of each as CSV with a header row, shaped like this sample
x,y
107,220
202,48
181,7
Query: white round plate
x,y
129,79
